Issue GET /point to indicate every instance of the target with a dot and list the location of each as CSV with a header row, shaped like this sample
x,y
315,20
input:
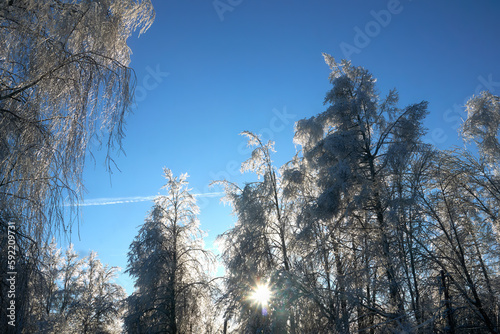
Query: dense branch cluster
x,y
368,229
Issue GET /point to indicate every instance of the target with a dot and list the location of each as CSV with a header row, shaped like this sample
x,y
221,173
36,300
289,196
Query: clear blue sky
x,y
204,74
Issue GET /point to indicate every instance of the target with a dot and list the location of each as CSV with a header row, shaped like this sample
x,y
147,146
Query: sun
x,y
261,294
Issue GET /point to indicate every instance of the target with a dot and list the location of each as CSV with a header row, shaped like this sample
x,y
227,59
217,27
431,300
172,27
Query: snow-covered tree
x,y
319,258
354,151
72,295
257,250
171,267
483,126
99,305
368,229
45,290
64,83
458,243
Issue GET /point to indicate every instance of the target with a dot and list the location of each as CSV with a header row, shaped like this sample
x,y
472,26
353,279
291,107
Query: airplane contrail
x,y
135,199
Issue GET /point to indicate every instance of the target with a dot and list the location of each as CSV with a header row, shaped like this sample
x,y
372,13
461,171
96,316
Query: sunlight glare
x,y
261,294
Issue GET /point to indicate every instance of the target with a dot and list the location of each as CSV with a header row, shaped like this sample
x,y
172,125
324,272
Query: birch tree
x,y
65,86
64,83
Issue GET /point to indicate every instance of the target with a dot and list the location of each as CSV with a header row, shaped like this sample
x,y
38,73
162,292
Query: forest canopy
x,y
367,229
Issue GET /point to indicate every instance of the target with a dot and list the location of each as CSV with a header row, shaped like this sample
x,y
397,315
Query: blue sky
x,y
207,70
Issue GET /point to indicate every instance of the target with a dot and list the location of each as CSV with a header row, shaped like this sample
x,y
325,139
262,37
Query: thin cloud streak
x,y
122,200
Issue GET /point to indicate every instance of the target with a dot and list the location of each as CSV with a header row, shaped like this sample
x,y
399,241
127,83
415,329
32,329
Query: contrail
x,y
116,200
121,200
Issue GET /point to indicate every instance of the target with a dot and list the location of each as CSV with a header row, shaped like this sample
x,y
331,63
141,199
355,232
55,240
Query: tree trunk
x,y
450,328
